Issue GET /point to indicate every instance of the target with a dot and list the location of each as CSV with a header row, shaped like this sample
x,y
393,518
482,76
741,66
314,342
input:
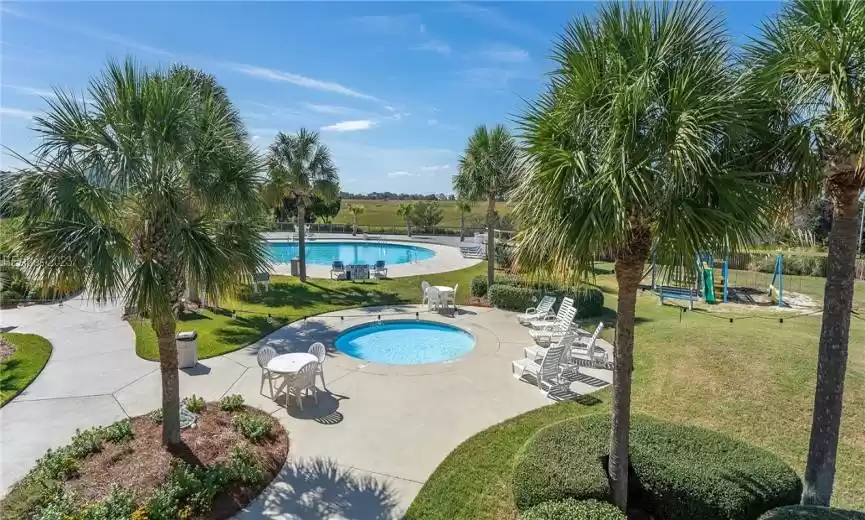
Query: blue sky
x,y
394,88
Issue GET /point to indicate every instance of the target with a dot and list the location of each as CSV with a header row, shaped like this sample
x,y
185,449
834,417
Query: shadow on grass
x,y
246,329
310,293
609,317
9,382
318,488
192,316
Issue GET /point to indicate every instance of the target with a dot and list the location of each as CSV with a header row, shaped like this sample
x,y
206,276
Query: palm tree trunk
x,y
834,337
165,329
630,262
354,229
462,226
301,236
491,237
408,227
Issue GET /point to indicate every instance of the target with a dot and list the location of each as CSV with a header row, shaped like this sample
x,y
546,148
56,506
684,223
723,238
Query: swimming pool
x,y
325,253
405,342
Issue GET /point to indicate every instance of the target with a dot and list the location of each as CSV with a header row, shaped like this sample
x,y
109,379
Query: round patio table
x,y
290,363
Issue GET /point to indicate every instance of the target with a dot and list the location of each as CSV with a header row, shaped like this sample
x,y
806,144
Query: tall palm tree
x,y
137,193
810,63
636,146
356,210
463,206
300,167
488,170
406,211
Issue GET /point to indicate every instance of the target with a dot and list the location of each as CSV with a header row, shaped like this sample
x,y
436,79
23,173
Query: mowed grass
x,y
753,379
289,300
20,369
383,213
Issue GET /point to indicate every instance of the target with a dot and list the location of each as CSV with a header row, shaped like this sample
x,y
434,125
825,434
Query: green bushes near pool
x,y
570,509
678,472
514,294
812,513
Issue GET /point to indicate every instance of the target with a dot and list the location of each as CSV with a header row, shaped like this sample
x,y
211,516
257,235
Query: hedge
x,y
812,513
678,472
570,509
588,300
511,298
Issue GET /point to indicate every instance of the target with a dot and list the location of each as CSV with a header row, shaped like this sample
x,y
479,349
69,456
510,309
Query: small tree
x,y
356,210
406,211
427,214
464,207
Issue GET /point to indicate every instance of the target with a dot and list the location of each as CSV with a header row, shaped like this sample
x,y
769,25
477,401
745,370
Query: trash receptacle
x,y
295,266
187,349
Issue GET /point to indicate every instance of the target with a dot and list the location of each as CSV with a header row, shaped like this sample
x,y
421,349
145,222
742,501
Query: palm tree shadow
x,y
318,488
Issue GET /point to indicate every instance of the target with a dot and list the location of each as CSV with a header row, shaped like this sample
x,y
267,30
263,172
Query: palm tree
x,y
810,64
299,168
636,146
488,170
406,211
356,210
139,191
464,207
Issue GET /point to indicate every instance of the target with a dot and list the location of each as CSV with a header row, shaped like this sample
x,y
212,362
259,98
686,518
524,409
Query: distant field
x,y
383,213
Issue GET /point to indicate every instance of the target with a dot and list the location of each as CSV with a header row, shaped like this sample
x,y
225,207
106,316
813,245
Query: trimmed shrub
x,y
253,426
194,404
570,509
231,403
479,286
812,513
678,472
588,300
511,298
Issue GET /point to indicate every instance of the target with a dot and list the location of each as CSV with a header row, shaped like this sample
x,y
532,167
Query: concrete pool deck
x,y
364,451
447,254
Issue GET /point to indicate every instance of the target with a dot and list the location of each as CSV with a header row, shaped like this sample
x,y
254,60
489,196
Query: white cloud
x,y
435,168
504,54
349,126
31,91
436,46
389,108
327,109
18,112
432,122
301,81
491,17
400,173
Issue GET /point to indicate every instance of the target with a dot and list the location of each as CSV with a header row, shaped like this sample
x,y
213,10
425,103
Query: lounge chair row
x,y
338,270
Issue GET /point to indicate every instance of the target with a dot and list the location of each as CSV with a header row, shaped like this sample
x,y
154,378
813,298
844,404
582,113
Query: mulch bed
x,y
6,349
143,464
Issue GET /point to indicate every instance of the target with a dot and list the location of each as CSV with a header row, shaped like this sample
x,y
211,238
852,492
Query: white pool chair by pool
x,y
543,309
424,287
561,327
380,268
318,350
536,353
302,384
265,354
308,232
549,322
337,268
547,373
433,298
589,354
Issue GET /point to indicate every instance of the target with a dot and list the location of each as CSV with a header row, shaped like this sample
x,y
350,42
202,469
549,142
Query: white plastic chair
x,y
302,384
451,297
547,373
549,322
318,350
433,298
537,353
561,327
424,287
543,309
265,354
589,353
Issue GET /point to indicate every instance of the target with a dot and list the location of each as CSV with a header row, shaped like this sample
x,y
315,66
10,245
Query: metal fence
x,y
319,227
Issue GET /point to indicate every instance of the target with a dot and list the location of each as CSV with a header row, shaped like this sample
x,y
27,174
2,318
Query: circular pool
x,y
405,342
325,253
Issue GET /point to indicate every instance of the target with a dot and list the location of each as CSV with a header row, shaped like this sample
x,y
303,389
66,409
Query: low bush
x,y
118,432
86,442
812,513
119,504
588,300
155,415
678,472
231,403
511,298
9,299
793,264
254,427
570,509
244,467
479,286
194,404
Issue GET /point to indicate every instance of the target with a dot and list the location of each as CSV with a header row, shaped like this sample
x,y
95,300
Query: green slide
x,y
709,284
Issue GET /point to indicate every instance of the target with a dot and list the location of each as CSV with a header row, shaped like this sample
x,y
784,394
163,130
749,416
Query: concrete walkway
x,y
363,452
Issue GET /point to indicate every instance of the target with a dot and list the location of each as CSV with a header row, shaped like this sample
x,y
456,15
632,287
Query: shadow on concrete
x,y
326,411
318,489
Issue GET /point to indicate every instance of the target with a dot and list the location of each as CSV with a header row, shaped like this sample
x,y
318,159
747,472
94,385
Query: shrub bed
x,y
122,472
812,513
588,300
678,472
570,509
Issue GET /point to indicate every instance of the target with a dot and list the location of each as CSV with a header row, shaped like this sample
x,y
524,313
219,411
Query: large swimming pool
x,y
325,253
405,342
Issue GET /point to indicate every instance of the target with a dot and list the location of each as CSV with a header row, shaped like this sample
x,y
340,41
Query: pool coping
x,y
446,259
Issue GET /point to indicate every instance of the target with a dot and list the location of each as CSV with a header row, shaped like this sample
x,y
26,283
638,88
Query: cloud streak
x,y
349,126
436,46
494,18
301,81
31,91
504,54
18,112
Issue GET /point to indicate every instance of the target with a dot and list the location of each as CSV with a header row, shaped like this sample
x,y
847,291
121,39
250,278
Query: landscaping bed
x,y
122,471
22,358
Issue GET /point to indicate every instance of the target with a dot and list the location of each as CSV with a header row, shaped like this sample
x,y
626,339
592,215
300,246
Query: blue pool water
x,y
408,342
325,253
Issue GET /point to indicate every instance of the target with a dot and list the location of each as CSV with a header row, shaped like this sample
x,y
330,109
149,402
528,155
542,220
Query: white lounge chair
x,y
380,269
536,353
547,373
308,232
561,327
549,322
543,309
319,351
473,251
337,268
588,354
265,354
303,383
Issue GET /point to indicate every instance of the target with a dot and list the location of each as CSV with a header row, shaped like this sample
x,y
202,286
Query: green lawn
x,y
24,365
383,213
288,300
753,379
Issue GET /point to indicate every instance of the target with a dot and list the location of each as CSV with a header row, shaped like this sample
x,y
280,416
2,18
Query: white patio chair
x,y
337,268
450,298
265,354
547,373
303,383
380,268
549,322
433,298
308,232
536,353
543,309
561,327
318,350
424,287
